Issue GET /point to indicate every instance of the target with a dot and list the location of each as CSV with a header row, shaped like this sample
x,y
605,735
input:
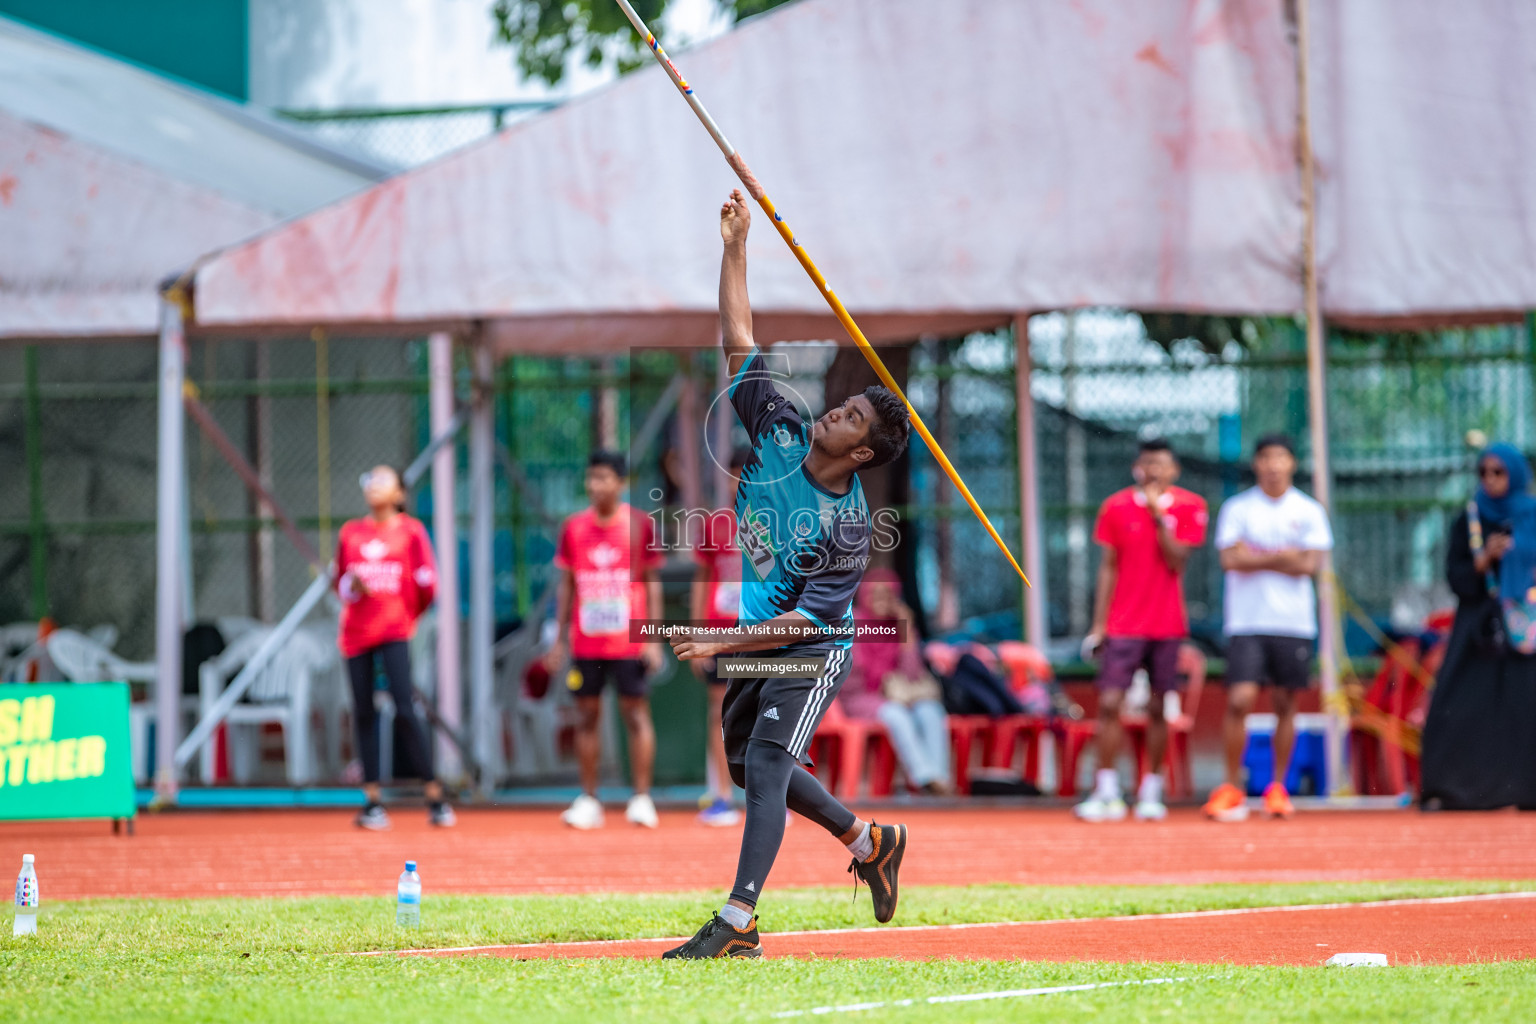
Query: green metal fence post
x,y
37,522
523,571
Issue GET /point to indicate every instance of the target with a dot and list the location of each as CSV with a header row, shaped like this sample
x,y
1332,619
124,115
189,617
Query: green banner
x,y
64,751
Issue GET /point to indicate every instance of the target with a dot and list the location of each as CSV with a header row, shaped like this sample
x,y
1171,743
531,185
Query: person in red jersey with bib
x,y
1146,533
387,577
608,561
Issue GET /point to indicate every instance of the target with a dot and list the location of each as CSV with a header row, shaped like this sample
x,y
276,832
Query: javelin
x,y
756,191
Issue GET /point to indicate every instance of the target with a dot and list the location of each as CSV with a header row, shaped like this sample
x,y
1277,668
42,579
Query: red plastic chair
x,y
967,734
1024,664
1381,733
842,744
1074,736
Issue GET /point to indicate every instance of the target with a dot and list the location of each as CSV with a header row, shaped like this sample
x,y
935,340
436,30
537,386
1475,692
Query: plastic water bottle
x,y
407,897
28,900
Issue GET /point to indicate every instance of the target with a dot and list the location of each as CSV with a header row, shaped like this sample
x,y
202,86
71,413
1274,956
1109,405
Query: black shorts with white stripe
x,y
781,710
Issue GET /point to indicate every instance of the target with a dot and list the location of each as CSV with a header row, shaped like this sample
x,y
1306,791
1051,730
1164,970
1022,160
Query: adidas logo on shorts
x,y
772,713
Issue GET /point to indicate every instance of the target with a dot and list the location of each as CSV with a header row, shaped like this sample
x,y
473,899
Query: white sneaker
x,y
641,811
584,813
1150,810
1098,808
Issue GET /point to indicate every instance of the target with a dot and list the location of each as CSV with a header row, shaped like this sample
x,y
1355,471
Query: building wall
x,y
205,42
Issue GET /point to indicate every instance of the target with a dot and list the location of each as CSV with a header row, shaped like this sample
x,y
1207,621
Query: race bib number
x,y
727,598
604,616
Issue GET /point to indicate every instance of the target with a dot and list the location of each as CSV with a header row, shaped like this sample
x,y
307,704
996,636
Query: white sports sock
x,y
862,847
1151,789
1106,784
735,916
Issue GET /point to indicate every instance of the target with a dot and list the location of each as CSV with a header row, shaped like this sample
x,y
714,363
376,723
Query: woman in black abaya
x,y
1479,749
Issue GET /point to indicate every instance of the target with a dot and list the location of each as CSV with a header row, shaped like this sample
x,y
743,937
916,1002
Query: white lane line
x,y
1181,915
972,997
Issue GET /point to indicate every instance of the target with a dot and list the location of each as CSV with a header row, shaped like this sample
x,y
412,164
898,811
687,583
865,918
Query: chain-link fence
x,y
78,446
77,450
1400,408
407,137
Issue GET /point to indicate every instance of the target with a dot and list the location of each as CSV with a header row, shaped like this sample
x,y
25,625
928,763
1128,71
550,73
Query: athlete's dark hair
x,y
613,460
889,430
1155,444
1274,441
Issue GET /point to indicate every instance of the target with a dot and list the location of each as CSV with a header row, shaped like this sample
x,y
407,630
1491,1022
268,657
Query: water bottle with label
x,y
27,899
407,897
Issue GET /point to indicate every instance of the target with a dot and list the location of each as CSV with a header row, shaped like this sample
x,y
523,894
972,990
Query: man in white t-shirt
x,y
1271,538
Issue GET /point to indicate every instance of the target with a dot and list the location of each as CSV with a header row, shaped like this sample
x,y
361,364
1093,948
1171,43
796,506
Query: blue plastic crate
x,y
1308,771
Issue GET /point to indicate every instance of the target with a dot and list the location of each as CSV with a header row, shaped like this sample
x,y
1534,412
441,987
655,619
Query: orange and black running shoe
x,y
718,938
878,871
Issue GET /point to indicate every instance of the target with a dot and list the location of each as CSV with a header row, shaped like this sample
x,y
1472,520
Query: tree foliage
x,y
546,34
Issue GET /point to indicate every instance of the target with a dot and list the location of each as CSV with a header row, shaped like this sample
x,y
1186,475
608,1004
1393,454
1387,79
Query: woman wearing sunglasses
x,y
387,578
1479,749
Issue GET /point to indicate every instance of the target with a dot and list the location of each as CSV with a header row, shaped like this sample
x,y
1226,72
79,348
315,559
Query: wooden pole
x,y
1036,628
1317,399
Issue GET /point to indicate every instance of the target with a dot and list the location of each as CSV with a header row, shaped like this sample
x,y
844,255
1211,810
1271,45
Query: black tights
x,y
775,781
396,656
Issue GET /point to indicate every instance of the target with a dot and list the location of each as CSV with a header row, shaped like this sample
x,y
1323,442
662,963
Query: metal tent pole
x,y
1036,630
169,503
482,569
445,533
1317,399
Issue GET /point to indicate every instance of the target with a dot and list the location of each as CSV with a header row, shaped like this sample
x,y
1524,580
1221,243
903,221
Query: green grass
x,y
233,959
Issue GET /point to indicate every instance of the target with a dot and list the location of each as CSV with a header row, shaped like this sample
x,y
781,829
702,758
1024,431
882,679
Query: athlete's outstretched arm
x,y
735,310
779,631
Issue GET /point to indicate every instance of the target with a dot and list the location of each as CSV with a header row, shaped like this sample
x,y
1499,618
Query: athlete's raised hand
x,y
735,219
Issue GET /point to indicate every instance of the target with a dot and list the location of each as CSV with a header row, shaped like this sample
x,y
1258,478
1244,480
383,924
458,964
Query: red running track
x,y
267,853
1439,931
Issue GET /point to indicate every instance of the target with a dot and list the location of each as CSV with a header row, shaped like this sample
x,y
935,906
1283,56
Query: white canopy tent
x,y
111,176
955,166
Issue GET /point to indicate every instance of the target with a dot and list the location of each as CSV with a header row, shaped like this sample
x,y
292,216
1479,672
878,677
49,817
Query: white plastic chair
x,y
281,692
233,627
104,634
533,724
82,659
328,690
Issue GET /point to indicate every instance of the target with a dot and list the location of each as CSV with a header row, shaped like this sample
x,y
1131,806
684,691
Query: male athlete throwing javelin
x,y
804,533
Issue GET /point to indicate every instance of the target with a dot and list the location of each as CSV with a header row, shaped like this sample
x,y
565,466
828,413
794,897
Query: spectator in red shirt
x,y
1147,532
608,561
387,578
715,600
